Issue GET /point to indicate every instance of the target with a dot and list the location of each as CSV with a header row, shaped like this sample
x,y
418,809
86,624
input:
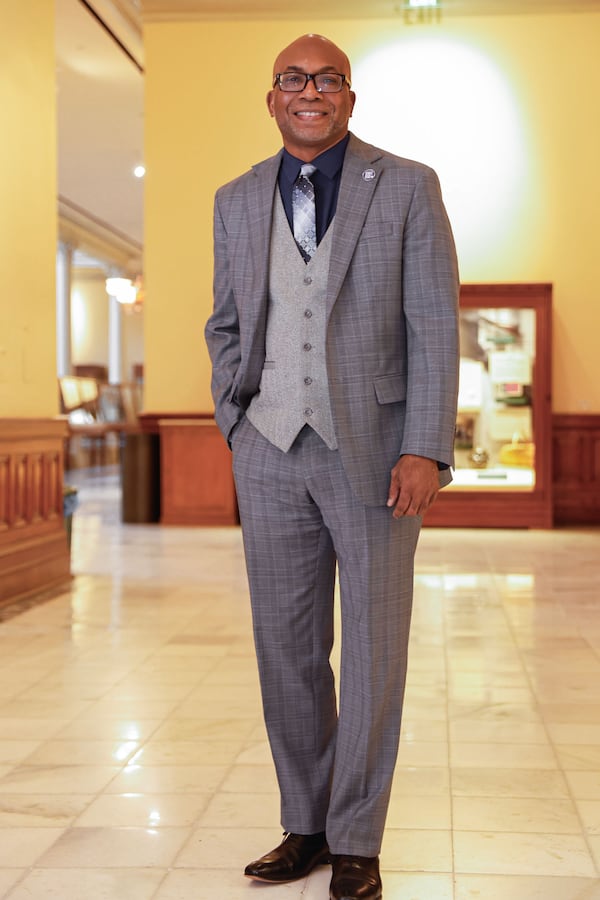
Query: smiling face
x,y
311,122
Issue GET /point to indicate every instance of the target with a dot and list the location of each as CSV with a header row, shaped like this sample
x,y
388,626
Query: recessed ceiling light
x,y
139,171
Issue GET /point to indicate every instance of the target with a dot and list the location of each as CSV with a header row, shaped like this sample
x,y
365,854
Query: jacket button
x,y
308,313
308,411
308,346
307,380
307,280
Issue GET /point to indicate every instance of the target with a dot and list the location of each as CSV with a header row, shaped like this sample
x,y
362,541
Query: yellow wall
x,y
202,129
90,325
132,325
27,210
89,320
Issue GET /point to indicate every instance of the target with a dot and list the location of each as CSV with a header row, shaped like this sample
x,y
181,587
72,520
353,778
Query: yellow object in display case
x,y
518,453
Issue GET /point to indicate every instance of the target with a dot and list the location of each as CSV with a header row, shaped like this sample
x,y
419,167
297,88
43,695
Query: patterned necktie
x,y
303,211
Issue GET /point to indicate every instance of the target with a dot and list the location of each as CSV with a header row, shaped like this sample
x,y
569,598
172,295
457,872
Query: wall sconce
x,y
122,289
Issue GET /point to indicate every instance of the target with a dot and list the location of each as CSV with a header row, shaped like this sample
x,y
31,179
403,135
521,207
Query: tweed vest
x,y
294,389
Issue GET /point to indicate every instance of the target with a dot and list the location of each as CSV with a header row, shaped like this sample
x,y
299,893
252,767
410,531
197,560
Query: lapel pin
x,y
368,175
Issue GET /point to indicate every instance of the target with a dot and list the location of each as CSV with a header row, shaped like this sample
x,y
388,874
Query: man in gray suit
x,y
334,350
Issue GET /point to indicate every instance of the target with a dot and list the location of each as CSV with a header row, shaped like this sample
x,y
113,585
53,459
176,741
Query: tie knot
x,y
306,170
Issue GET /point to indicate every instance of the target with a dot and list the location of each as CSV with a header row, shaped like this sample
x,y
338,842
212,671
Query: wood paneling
x,y
576,469
197,485
34,555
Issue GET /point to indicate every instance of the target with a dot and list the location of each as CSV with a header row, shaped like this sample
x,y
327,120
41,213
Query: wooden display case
x,y
503,445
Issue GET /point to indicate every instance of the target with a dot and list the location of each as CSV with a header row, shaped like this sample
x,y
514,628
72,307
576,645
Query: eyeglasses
x,y
324,82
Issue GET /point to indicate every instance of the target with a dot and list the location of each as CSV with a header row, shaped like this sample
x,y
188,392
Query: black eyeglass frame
x,y
307,77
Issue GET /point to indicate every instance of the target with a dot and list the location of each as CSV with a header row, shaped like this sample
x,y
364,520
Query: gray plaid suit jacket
x,y
392,320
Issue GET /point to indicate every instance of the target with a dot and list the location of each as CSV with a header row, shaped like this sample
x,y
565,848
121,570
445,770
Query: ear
x,y
352,101
270,103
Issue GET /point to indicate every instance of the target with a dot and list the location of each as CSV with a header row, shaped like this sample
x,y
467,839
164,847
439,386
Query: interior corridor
x,y
133,759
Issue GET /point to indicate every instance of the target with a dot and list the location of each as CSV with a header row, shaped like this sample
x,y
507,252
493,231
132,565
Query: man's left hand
x,y
414,485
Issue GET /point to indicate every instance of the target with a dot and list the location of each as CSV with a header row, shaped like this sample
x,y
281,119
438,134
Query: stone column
x,y
64,259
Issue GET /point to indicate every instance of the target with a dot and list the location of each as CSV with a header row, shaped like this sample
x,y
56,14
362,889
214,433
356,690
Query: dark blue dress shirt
x,y
326,181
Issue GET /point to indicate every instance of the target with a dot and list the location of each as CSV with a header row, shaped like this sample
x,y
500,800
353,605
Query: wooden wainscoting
x,y
197,485
576,469
34,554
196,480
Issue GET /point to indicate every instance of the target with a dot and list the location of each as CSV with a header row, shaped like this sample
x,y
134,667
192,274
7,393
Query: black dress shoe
x,y
296,857
355,878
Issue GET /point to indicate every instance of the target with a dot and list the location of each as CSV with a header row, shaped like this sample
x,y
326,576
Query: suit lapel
x,y
360,175
259,213
260,200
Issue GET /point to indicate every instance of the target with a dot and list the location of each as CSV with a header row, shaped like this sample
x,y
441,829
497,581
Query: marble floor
x,y
133,760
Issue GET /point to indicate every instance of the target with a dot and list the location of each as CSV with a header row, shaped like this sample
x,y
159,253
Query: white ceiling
x,y
100,106
100,92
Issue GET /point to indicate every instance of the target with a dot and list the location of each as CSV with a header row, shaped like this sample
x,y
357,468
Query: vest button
x,y
308,313
307,380
308,346
308,411
307,279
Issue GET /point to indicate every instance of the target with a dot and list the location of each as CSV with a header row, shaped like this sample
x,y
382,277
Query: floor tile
x,y
24,846
8,878
181,753
167,779
409,886
55,779
250,780
571,734
487,782
114,848
594,841
134,761
24,729
502,756
472,732
81,753
423,753
420,812
39,810
132,729
144,810
584,785
14,752
589,810
246,810
426,782
207,884
85,884
584,757
227,848
407,851
551,816
522,854
507,887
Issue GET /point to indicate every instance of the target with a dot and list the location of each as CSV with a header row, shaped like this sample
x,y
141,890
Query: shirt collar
x,y
329,163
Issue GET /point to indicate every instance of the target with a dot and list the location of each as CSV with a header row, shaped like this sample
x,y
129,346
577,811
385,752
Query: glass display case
x,y
503,427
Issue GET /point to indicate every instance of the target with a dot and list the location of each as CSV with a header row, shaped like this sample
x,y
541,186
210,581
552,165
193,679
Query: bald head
x,y
309,44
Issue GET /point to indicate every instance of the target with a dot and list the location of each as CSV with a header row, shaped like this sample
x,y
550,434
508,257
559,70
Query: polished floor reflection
x,y
133,761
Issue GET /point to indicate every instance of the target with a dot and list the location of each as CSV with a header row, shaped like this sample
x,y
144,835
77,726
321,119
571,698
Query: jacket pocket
x,y
233,391
390,388
377,230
